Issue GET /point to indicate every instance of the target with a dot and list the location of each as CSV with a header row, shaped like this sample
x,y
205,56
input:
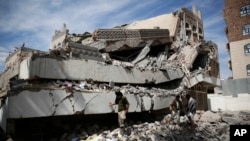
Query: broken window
x,y
201,61
247,49
130,54
200,37
246,29
188,34
245,10
59,45
187,25
194,28
125,55
248,70
200,30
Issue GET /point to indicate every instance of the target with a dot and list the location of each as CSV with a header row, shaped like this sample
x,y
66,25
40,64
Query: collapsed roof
x,y
148,60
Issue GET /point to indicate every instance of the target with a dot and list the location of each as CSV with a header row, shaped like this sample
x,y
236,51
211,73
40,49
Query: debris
x,y
157,130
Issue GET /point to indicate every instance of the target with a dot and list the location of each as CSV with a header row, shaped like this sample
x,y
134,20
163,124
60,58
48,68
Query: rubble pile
x,y
89,85
210,126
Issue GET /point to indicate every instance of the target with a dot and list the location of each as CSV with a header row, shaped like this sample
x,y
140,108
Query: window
x,y
187,25
200,30
246,29
194,28
247,49
245,10
248,69
59,45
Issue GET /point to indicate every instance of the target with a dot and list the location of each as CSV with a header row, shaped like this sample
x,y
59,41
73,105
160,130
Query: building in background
x,y
237,18
236,92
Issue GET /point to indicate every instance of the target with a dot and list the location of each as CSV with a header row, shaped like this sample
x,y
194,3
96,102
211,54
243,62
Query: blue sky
x,y
34,21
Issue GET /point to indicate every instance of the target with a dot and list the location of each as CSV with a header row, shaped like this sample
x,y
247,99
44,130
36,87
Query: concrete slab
x,y
66,69
43,103
161,102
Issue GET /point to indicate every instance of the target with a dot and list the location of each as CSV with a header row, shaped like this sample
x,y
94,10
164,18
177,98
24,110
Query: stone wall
x,y
229,103
235,96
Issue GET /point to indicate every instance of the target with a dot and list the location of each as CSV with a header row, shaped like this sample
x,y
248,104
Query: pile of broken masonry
x,y
210,126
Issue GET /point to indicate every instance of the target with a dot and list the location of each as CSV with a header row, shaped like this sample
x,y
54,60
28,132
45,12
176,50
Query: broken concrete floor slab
x,y
45,103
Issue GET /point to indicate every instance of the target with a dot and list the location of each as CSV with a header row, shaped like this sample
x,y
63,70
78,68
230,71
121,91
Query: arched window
x,y
245,10
247,49
246,29
248,70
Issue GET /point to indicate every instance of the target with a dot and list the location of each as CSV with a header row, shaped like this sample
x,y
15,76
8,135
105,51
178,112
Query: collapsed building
x,y
149,61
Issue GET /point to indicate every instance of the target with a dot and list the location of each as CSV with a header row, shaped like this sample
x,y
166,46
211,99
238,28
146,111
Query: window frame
x,y
194,28
187,25
245,10
247,49
200,30
248,69
246,30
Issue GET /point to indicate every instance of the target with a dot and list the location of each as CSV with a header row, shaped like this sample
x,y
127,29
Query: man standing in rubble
x,y
191,109
123,106
176,108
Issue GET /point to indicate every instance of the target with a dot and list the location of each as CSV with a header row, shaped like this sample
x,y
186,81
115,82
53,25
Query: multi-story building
x,y
236,91
237,18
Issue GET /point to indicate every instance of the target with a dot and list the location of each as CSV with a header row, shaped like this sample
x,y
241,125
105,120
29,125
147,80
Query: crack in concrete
x,y
53,102
83,110
56,105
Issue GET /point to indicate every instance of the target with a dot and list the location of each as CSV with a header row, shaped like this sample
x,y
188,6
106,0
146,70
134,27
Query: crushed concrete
x,y
210,126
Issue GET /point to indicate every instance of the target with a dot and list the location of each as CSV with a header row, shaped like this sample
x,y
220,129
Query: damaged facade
x,y
150,61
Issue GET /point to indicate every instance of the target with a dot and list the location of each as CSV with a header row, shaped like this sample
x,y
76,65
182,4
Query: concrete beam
x,y
85,69
198,78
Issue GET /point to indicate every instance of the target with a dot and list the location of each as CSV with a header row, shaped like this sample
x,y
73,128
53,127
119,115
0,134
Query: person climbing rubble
x,y
176,108
123,106
191,109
